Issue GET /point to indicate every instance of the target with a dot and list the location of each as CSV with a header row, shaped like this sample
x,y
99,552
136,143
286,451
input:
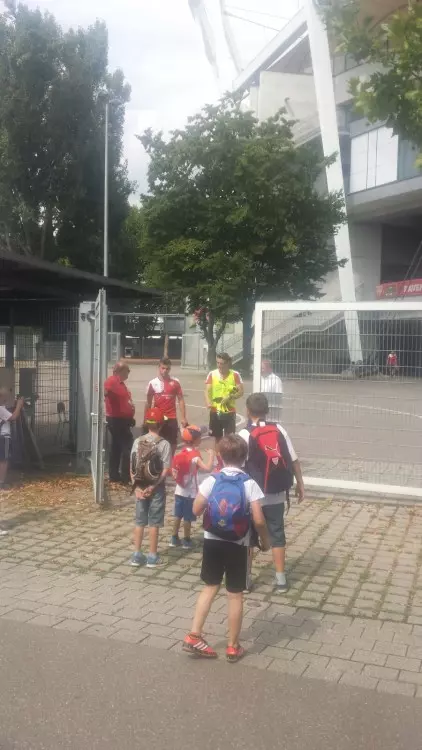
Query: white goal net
x,y
352,390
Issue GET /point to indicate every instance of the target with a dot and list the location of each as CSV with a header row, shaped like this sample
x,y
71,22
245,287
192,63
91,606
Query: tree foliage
x,y
233,216
393,92
52,108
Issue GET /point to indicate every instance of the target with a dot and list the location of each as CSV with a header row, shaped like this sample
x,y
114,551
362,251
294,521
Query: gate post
x,y
84,380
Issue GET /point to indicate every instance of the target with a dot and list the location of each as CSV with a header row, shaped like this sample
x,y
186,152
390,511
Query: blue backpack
x,y
227,514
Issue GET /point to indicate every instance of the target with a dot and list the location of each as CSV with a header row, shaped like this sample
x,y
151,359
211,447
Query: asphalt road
x,y
62,691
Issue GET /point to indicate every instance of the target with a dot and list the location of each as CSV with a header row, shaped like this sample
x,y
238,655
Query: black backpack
x,y
269,461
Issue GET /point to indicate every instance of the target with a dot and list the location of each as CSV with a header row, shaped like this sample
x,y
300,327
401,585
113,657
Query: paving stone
x,y
46,620
102,631
381,673
129,636
345,665
322,673
358,680
18,615
396,688
396,649
369,657
413,677
338,652
73,626
403,662
156,641
279,653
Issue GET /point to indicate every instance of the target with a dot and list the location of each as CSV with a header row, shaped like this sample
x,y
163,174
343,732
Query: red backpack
x,y
269,461
181,467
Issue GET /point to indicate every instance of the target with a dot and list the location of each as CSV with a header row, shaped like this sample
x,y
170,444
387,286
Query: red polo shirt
x,y
118,400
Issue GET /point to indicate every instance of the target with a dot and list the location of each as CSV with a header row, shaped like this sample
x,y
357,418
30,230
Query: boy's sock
x,y
280,578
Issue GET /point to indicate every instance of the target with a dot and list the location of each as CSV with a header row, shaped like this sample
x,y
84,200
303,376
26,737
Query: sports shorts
x,y
274,516
227,559
222,424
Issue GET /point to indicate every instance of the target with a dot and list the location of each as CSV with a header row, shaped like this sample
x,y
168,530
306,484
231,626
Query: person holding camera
x,y
120,413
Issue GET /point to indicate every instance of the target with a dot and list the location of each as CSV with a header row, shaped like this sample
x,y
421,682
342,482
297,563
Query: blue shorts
x,y
183,508
151,512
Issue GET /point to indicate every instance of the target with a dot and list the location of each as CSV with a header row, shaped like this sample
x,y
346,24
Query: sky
x,y
159,48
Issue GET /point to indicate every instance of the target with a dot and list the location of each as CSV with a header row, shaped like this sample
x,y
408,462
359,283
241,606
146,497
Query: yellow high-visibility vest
x,y
222,389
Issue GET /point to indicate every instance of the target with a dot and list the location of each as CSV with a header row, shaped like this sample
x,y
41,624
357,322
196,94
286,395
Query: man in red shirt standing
x,y
163,392
120,418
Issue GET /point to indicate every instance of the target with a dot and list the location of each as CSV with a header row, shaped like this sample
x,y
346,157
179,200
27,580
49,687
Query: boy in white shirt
x,y
273,474
184,469
230,500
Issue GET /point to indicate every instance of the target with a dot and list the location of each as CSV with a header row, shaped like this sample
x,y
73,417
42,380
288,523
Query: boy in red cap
x,y
150,463
185,468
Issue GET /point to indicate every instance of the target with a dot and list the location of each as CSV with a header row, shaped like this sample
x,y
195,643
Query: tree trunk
x,y
247,338
166,345
212,354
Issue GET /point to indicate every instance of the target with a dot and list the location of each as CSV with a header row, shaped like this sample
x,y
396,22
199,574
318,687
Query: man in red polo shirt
x,y
120,418
163,392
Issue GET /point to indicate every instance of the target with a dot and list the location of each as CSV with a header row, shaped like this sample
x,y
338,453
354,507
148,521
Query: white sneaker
x,y
3,532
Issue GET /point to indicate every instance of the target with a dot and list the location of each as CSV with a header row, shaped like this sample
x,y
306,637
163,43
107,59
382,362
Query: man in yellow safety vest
x,y
222,387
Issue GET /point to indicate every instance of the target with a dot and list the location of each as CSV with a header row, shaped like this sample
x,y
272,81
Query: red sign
x,y
411,288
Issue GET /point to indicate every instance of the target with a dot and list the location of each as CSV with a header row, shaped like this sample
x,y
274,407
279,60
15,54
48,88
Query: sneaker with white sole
x,y
175,542
3,532
153,561
137,559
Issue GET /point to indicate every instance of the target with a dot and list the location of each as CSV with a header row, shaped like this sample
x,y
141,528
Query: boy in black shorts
x,y
230,500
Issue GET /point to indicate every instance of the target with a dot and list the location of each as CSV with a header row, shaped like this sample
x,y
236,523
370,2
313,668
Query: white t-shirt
x,y
280,496
253,493
191,482
5,415
271,383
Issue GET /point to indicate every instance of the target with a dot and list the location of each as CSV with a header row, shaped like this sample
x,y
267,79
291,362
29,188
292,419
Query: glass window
x,y
374,157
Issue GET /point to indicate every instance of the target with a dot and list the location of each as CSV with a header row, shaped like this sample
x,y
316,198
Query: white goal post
x,y
352,390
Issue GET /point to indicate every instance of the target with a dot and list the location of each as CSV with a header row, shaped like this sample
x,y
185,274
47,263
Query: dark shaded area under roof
x,y
28,284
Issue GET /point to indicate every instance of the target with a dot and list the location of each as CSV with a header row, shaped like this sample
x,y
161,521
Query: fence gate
x,y
351,376
99,371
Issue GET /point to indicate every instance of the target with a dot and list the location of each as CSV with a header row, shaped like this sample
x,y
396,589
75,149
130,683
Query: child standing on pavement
x,y
272,462
230,500
150,464
185,468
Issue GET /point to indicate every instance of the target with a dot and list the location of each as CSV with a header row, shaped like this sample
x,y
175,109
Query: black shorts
x,y
224,558
222,424
5,443
170,431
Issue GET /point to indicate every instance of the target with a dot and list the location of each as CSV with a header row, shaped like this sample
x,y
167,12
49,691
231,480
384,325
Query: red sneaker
x,y
195,644
234,653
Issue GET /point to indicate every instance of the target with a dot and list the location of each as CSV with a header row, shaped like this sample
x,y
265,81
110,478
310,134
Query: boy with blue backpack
x,y
272,462
230,501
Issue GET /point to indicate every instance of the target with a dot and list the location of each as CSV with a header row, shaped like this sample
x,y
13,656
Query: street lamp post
x,y
105,259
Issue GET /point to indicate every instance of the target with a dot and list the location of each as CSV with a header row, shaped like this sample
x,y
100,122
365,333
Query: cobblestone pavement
x,y
353,614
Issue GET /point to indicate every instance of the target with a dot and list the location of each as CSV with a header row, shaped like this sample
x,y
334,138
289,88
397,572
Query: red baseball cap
x,y
154,416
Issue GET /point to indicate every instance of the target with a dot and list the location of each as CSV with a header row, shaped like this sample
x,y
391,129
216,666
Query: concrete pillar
x,y
324,89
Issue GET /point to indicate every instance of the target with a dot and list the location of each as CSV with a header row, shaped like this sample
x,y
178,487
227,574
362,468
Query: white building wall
x,y
366,245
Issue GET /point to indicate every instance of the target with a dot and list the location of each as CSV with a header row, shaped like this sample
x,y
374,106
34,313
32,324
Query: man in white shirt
x,y
272,386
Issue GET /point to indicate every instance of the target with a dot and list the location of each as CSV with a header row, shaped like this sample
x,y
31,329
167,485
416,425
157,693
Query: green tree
x,y
52,108
393,92
233,217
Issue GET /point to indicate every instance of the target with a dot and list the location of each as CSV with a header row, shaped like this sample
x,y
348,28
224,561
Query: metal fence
x,y
352,382
194,351
45,360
